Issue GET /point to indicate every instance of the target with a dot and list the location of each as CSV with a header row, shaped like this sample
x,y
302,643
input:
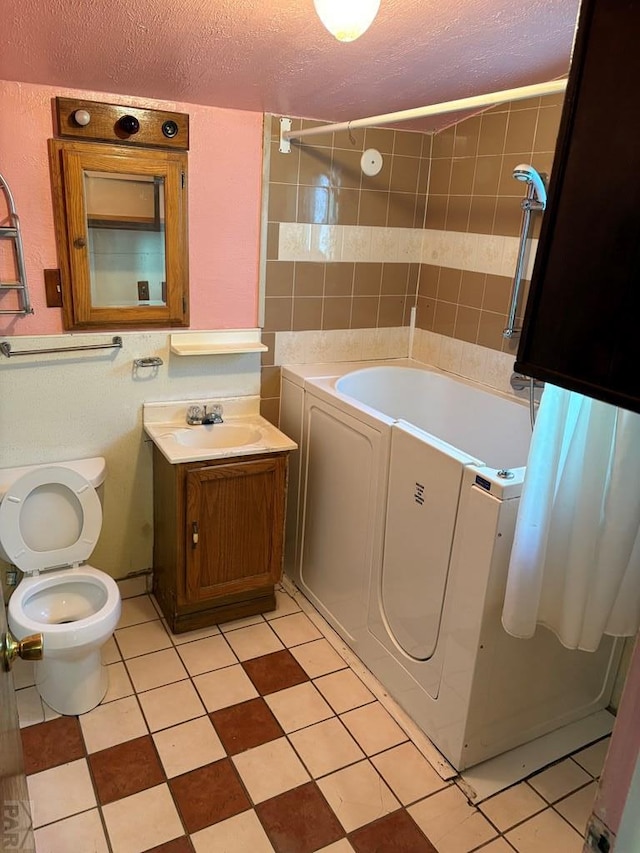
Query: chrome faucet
x,y
194,415
214,416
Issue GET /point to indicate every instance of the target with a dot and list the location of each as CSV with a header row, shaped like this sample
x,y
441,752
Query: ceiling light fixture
x,y
347,20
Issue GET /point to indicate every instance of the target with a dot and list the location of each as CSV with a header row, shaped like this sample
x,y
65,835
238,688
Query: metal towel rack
x,y
12,232
5,348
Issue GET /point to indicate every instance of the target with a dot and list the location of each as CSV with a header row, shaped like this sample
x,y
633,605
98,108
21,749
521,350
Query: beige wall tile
x,y
391,311
380,138
278,314
338,279
467,137
401,212
449,284
345,168
314,204
283,203
472,286
444,318
462,174
337,312
521,129
394,279
270,410
436,215
373,207
283,168
367,279
493,131
307,313
364,312
481,214
467,322
279,280
308,279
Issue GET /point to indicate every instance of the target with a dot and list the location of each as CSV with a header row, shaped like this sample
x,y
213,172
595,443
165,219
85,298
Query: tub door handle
x,y
31,648
194,533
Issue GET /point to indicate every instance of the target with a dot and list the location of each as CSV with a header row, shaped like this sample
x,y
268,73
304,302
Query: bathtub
x,y
402,507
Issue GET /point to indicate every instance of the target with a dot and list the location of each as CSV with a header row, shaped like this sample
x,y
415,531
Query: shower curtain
x,y
575,562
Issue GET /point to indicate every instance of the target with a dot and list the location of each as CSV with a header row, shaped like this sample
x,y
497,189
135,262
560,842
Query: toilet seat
x,y
12,506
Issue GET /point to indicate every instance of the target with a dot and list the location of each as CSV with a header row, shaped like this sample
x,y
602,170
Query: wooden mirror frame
x,y
67,161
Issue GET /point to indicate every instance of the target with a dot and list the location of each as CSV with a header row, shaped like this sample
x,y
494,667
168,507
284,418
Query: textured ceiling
x,y
275,55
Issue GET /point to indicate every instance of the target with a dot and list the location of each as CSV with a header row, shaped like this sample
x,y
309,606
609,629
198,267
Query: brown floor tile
x,y
300,820
208,795
273,672
126,769
51,744
245,725
394,833
178,845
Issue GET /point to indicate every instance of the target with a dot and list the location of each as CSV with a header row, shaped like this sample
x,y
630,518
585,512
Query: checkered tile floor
x,y
259,738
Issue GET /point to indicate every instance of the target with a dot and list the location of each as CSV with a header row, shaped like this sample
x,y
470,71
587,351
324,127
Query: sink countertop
x,y
166,425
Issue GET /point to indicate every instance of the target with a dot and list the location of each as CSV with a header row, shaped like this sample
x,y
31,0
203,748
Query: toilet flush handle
x,y
28,649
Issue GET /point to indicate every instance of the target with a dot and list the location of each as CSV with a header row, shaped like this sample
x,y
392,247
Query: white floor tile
x,y
254,641
343,690
207,655
284,606
82,832
512,806
295,629
169,705
357,795
546,832
559,780
270,769
49,713
318,658
225,627
142,821
237,834
119,683
23,673
189,745
110,652
142,639
113,723
60,792
191,636
156,669
373,728
450,823
341,846
326,747
497,846
30,711
592,758
408,773
299,706
224,687
137,610
577,808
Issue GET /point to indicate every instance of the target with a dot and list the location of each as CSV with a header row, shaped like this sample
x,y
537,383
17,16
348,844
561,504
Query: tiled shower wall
x,y
474,216
343,249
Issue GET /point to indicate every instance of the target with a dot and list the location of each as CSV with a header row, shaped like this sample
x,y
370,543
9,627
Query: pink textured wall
x,y
225,167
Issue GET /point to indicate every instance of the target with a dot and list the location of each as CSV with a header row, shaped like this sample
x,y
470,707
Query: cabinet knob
x,y
194,533
79,243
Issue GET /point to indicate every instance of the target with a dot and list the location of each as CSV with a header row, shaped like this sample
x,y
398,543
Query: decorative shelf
x,y
221,342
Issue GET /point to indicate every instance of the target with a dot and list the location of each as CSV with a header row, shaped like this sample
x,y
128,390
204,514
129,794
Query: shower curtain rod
x,y
551,88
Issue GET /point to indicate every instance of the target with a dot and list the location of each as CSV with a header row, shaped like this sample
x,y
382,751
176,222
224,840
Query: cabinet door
x,y
234,527
580,328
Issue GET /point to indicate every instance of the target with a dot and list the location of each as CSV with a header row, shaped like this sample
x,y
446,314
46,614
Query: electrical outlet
x,y
143,291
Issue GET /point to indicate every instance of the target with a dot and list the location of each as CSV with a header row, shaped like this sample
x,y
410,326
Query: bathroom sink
x,y
244,431
218,436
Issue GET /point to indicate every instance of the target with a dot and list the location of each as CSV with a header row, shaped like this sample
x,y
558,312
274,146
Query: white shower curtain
x,y
575,563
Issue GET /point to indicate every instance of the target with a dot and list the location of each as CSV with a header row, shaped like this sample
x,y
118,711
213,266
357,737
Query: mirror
x,y
121,227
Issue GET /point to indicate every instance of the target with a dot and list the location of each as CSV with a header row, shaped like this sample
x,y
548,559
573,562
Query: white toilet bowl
x,y
50,516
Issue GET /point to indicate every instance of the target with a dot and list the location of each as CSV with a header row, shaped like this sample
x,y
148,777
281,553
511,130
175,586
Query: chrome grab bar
x,y
5,348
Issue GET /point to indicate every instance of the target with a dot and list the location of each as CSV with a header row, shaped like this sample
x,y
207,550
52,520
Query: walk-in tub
x,y
401,516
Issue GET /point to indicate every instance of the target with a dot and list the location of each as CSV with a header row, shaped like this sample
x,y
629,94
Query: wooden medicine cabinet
x,y
121,232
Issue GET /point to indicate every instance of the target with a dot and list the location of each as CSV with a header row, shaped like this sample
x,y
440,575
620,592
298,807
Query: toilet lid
x,y
72,491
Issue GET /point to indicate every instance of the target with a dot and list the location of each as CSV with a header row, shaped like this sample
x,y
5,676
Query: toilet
x,y
50,520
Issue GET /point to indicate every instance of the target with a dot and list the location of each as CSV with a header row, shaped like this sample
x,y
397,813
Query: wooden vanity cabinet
x,y
218,537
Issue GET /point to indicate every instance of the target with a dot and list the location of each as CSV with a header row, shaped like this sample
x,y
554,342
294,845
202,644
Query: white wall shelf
x,y
220,342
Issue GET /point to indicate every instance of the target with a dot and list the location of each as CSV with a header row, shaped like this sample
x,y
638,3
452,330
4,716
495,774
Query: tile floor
x,y
258,737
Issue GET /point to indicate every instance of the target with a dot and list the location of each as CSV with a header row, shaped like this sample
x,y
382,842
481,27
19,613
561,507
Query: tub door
x,y
343,514
425,477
